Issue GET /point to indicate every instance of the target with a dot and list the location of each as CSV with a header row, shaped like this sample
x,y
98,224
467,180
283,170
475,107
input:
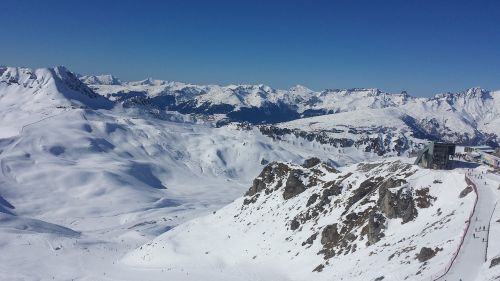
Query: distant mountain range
x,y
335,116
316,185
469,117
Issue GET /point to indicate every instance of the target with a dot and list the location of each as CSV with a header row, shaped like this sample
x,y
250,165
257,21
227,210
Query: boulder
x,y
426,254
330,235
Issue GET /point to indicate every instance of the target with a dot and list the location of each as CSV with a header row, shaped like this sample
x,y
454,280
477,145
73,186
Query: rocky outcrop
x,y
387,140
368,197
376,225
311,162
268,175
398,204
330,235
426,254
293,185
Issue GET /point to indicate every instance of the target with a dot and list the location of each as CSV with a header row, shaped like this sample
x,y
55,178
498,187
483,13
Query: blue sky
x,y
423,47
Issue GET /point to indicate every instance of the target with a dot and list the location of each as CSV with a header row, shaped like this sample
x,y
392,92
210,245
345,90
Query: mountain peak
x,y
105,79
300,89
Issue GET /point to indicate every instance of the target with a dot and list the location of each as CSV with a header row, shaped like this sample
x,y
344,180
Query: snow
x,y
257,237
90,190
96,182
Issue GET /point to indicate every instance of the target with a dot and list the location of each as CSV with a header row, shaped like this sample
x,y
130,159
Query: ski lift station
x,y
436,155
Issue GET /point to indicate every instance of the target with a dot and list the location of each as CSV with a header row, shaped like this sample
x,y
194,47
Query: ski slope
x,y
472,262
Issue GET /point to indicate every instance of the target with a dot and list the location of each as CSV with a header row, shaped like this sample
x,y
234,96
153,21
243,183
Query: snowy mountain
x,y
83,179
371,221
108,180
470,117
27,96
100,80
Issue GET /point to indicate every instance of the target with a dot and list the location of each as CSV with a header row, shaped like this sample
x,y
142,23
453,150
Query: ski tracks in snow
x,y
472,254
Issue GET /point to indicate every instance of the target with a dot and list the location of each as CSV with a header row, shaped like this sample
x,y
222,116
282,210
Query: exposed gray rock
x,y
270,173
311,162
310,240
376,226
312,199
424,199
365,188
330,235
495,262
466,191
294,224
319,268
426,254
293,185
399,204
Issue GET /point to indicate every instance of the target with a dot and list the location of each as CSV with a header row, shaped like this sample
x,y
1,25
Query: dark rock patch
x,y
294,224
268,175
330,235
293,185
426,254
312,199
466,191
311,162
495,262
375,228
366,187
310,240
319,268
424,199
396,205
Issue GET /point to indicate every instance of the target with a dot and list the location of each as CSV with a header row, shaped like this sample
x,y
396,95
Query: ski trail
x,y
472,254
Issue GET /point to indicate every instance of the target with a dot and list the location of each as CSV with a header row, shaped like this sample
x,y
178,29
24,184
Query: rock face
x,y
376,225
276,175
367,206
344,224
426,254
381,141
330,235
293,185
399,204
270,173
311,162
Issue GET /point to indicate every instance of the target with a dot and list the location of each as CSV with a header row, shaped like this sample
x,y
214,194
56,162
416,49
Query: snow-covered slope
x,y
82,183
470,117
27,96
371,221
243,102
86,178
100,80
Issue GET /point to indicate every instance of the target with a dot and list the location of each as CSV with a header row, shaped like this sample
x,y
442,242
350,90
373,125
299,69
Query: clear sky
x,y
423,47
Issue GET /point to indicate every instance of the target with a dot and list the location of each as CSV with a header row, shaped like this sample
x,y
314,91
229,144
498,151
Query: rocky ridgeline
x,y
361,207
381,141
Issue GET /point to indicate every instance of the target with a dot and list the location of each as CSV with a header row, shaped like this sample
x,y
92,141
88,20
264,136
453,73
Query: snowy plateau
x,y
102,179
